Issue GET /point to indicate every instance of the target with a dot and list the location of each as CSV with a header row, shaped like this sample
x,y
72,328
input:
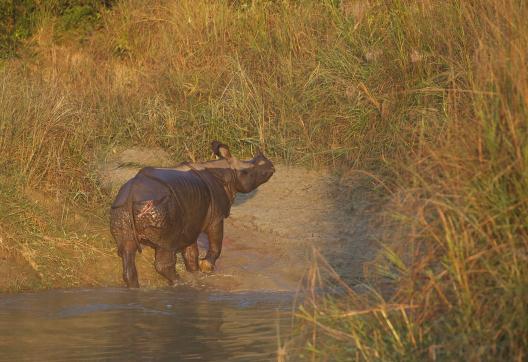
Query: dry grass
x,y
459,270
431,96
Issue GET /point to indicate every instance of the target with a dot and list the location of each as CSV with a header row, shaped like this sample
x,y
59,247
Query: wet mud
x,y
268,241
271,233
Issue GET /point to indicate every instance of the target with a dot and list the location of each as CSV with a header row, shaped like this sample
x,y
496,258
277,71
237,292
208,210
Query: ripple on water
x,y
166,324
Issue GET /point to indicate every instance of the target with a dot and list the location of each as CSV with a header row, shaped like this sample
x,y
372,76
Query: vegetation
x,y
20,19
431,96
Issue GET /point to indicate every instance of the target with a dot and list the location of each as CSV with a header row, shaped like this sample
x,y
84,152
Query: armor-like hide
x,y
167,208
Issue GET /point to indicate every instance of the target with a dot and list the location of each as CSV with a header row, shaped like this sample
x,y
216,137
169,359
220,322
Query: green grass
x,y
430,96
19,20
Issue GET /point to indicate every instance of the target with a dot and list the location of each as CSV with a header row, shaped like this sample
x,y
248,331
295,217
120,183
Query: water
x,y
179,324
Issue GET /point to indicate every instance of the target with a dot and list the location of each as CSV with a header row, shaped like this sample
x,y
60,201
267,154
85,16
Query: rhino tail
x,y
130,207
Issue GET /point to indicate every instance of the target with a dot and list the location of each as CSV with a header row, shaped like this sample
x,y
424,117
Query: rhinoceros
x,y
167,208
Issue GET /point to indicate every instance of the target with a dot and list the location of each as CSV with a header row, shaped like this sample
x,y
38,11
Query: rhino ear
x,y
220,150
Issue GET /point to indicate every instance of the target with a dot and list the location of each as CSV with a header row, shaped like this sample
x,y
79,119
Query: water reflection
x,y
118,324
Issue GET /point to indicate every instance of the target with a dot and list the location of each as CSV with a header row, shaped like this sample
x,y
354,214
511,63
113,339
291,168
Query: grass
x,y
430,96
57,245
459,270
20,18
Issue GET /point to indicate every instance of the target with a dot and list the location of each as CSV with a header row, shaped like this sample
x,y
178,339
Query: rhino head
x,y
249,174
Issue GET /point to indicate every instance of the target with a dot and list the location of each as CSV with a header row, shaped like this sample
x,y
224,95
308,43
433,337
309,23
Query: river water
x,y
177,324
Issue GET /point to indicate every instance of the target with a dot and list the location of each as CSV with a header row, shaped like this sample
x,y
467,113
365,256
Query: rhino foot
x,y
206,266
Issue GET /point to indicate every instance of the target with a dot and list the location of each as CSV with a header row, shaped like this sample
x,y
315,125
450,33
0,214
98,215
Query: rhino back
x,y
189,189
188,201
170,206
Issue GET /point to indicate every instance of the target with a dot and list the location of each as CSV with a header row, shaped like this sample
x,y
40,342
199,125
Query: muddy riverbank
x,y
268,243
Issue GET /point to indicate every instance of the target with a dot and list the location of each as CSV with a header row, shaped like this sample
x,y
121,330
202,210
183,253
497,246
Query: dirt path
x,y
268,241
271,233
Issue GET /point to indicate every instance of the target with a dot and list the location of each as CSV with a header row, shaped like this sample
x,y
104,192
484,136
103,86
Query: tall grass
x,y
179,74
430,95
460,268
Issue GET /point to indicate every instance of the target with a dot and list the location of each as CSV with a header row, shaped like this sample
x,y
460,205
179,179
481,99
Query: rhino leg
x,y
215,234
190,257
165,263
128,255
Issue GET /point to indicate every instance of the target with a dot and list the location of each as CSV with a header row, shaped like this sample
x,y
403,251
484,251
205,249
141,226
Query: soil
x,y
272,233
269,240
15,271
